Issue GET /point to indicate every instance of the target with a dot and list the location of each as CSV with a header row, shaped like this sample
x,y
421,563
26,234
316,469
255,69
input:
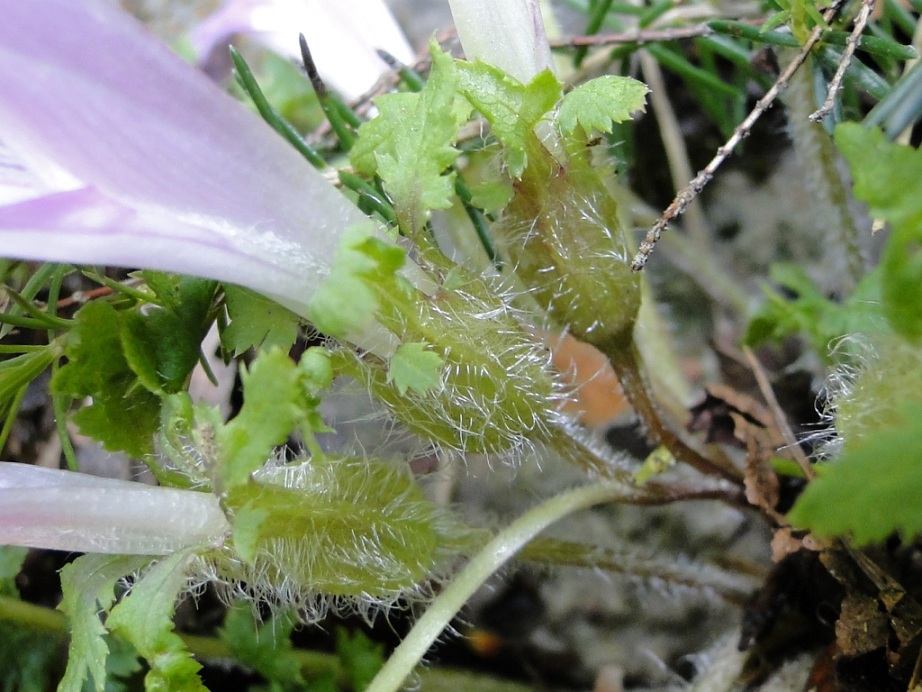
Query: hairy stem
x,y
496,553
626,362
820,163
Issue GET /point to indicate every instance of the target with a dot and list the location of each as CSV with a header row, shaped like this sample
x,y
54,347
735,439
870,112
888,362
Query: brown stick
x,y
638,36
626,363
694,188
851,43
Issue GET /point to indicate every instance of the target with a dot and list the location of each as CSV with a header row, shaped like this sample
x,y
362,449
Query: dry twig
x,y
851,43
780,420
694,188
638,36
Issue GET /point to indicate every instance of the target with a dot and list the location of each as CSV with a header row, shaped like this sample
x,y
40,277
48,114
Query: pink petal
x,y
89,99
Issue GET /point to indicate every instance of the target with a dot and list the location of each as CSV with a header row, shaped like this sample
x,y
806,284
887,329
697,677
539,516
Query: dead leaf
x,y
862,626
731,417
865,580
598,398
784,542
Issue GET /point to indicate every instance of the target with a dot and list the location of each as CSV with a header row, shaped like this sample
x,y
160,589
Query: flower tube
x,y
62,510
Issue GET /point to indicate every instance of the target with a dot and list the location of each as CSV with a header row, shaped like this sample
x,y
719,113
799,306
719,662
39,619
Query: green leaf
x,y
317,369
902,280
279,396
377,134
27,656
256,322
11,559
162,342
28,659
595,105
888,177
512,108
274,403
265,648
413,367
361,657
410,144
346,302
144,618
88,586
873,489
124,415
820,320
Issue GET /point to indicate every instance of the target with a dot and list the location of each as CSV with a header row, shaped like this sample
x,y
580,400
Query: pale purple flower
x,y
146,163
343,36
122,154
116,152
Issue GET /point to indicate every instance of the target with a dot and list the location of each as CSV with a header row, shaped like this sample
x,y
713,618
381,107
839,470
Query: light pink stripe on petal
x,y
61,510
84,227
89,99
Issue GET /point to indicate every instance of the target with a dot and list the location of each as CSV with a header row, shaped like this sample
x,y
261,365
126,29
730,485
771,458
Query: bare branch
x,y
851,43
638,36
694,188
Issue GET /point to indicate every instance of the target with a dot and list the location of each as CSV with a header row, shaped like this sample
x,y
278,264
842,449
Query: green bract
x,y
870,489
563,235
495,390
345,527
889,376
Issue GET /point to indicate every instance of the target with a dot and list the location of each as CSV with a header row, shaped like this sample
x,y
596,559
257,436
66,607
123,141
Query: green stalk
x,y
875,45
493,556
60,405
369,195
343,132
313,664
14,405
30,290
412,79
682,67
479,221
625,360
270,115
119,287
35,315
596,17
819,156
